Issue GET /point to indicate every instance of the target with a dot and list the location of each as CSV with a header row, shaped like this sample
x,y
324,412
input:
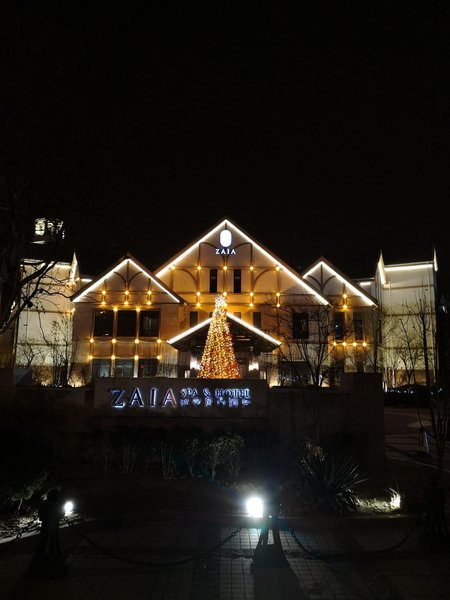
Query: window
x,y
338,325
126,323
237,281
300,326
257,320
147,367
358,326
193,318
124,367
100,367
103,323
149,323
213,281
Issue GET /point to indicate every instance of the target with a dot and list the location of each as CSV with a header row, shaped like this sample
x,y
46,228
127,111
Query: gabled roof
x,y
350,284
226,222
241,332
97,281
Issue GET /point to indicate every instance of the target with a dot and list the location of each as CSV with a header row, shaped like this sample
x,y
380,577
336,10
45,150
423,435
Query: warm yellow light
x,y
158,357
158,341
198,304
355,344
149,293
277,294
92,340
278,305
104,292
225,294
72,310
345,306
251,267
115,309
136,341
126,302
103,302
225,267
113,341
149,301
126,292
199,268
90,357
364,344
334,343
113,357
251,303
138,309
344,343
277,268
252,294
173,267
198,293
136,357
344,295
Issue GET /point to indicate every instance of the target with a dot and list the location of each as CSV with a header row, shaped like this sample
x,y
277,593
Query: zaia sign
x,y
153,397
225,243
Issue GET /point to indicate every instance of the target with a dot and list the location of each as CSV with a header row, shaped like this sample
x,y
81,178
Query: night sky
x,y
145,125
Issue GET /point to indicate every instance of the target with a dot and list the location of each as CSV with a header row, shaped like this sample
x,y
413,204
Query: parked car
x,y
410,394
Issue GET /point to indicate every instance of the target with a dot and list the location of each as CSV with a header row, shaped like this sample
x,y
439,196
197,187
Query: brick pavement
x,y
325,558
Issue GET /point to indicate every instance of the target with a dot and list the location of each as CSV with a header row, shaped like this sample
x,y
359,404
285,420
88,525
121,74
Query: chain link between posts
x,y
137,561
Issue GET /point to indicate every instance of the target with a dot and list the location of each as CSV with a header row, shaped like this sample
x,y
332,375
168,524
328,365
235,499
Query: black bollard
x,y
48,560
435,523
266,554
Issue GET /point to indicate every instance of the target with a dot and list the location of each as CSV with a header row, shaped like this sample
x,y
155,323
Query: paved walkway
x,y
152,557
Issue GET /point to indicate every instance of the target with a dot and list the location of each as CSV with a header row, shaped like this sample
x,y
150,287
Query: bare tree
x,y
422,330
305,351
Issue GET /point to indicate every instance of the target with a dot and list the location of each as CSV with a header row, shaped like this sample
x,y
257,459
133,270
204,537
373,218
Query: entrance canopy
x,y
245,337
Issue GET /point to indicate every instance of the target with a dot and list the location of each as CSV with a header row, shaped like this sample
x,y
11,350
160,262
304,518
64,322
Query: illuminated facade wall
x,y
44,330
124,317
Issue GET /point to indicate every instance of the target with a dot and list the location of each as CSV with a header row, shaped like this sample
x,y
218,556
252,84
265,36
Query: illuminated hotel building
x,y
132,322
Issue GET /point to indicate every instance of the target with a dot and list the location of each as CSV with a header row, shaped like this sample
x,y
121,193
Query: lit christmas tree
x,y
218,360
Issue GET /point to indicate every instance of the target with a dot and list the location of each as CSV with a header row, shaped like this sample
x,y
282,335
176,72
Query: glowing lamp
x,y
254,507
113,341
68,508
136,341
92,340
158,341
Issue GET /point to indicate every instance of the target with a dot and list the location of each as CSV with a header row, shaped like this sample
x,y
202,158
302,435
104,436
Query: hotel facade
x,y
288,328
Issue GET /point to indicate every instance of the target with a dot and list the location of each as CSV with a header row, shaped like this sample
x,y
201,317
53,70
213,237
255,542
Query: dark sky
x,y
321,130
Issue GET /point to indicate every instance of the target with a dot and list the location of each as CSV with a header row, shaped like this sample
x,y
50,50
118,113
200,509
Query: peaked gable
x,y
330,281
126,277
226,245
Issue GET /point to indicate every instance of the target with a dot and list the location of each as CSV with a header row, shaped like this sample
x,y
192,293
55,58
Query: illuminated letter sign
x,y
234,397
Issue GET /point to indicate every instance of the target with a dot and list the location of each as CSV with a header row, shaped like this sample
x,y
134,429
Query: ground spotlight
x,y
255,507
68,508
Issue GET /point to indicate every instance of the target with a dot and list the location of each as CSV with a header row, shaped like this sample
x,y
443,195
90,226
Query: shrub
x,y
329,481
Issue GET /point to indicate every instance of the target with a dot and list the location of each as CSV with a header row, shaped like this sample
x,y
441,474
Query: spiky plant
x,y
329,482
